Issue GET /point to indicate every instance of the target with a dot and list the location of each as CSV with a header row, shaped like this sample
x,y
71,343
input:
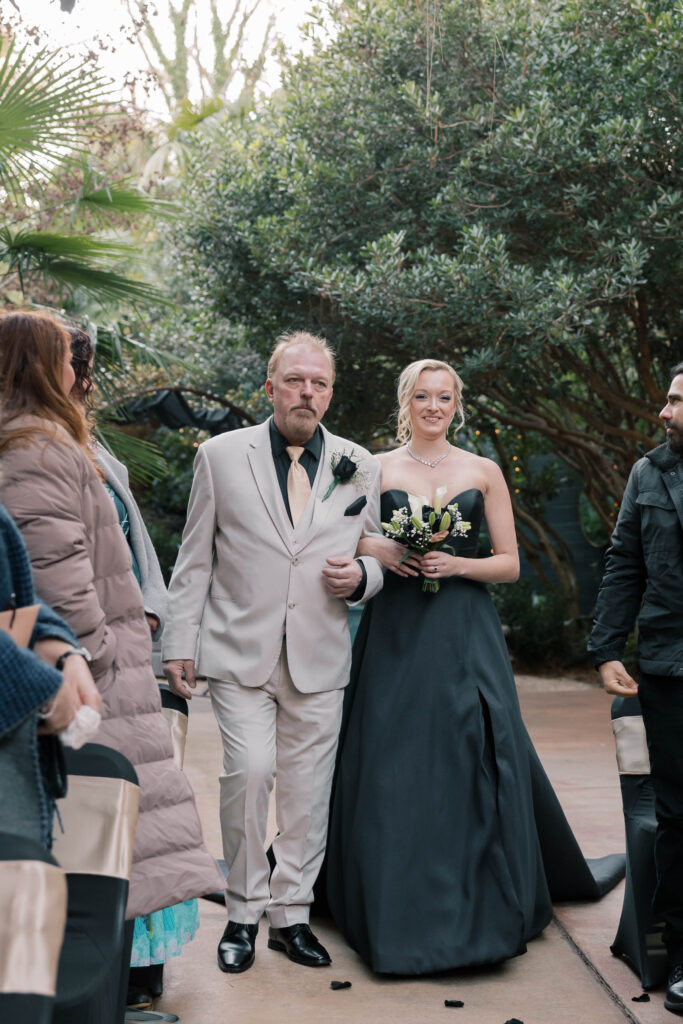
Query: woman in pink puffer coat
x,y
82,568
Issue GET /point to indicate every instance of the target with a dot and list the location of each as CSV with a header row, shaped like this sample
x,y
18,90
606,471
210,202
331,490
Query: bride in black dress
x,y
446,840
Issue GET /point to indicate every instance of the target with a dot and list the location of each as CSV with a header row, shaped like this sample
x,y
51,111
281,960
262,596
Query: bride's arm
x,y
389,554
503,565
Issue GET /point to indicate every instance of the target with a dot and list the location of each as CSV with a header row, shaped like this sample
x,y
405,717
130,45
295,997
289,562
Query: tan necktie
x,y
298,484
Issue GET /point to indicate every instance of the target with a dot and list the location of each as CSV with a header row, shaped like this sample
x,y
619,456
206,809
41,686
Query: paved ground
x,y
568,975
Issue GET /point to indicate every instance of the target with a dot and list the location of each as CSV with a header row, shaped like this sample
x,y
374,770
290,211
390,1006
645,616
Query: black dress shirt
x,y
310,460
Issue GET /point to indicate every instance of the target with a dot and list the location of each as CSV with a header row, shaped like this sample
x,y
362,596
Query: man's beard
x,y
675,444
300,428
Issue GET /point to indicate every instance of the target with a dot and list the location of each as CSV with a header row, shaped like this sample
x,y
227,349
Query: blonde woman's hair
x,y
305,340
407,386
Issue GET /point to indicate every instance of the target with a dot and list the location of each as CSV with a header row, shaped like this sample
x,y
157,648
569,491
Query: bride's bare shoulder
x,y
392,460
483,471
487,466
471,462
393,467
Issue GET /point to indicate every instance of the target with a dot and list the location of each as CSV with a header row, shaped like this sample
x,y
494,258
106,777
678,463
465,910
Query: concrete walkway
x,y
568,975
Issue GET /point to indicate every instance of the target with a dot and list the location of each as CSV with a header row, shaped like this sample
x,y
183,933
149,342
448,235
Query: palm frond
x,y
75,262
107,201
142,458
85,248
49,104
117,200
189,115
115,343
104,285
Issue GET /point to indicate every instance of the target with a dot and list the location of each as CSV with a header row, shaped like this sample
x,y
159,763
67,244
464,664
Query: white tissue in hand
x,y
81,728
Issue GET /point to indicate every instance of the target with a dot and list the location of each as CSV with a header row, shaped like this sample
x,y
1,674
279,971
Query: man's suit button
x,y
290,604
295,561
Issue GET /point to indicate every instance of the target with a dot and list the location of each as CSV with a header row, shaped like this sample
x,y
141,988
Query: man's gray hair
x,y
305,340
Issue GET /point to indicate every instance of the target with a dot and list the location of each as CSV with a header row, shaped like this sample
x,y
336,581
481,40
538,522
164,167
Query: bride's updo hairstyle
x,y
407,386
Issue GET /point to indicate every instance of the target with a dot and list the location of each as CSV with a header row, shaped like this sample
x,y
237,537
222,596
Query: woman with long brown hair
x,y
82,567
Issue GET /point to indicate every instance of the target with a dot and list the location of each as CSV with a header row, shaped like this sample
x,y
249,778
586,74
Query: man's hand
x,y
342,575
152,622
616,679
181,678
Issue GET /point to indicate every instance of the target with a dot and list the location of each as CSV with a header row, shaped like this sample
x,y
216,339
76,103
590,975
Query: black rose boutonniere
x,y
344,469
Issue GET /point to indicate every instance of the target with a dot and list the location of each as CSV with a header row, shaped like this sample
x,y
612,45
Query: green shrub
x,y
538,631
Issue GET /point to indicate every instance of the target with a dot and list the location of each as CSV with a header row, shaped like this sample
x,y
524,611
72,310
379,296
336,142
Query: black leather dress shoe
x,y
674,990
138,999
300,945
236,950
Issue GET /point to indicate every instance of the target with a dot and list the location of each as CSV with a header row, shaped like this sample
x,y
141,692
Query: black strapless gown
x,y
446,839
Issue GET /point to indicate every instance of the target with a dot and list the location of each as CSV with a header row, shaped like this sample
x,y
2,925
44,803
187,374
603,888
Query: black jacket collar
x,y
663,458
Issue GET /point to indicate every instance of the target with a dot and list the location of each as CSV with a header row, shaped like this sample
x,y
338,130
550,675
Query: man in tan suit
x,y
258,603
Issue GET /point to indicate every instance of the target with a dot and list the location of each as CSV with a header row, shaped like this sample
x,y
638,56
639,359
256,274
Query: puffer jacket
x,y
151,579
82,568
643,577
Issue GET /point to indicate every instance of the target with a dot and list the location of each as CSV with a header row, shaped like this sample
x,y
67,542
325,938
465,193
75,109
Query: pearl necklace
x,y
426,462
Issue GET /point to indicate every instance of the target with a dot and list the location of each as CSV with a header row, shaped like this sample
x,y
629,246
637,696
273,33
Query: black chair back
x,y
175,711
99,814
639,936
32,919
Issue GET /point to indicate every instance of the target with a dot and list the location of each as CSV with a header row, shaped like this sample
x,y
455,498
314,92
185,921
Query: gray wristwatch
x,y
59,664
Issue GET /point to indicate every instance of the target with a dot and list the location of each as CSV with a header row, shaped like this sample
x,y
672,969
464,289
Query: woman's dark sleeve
x,y
50,625
26,683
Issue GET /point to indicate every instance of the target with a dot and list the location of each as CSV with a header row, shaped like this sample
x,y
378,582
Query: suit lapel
x,y
260,457
322,510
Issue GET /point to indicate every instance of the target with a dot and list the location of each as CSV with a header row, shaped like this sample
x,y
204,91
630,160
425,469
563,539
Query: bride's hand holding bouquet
x,y
398,558
425,530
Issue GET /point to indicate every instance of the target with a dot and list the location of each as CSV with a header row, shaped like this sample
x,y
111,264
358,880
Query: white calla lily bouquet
x,y
423,527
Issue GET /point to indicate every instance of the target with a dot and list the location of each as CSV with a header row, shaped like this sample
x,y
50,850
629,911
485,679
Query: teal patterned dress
x,y
160,935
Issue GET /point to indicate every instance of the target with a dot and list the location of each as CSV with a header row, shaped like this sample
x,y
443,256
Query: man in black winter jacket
x,y
643,581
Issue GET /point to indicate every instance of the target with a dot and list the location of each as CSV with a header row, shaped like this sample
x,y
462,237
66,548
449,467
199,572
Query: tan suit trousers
x,y
274,730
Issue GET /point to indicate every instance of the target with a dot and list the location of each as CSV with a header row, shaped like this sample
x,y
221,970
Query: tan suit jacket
x,y
245,576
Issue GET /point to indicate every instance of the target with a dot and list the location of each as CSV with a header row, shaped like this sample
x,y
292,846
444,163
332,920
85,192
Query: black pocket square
x,y
356,506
